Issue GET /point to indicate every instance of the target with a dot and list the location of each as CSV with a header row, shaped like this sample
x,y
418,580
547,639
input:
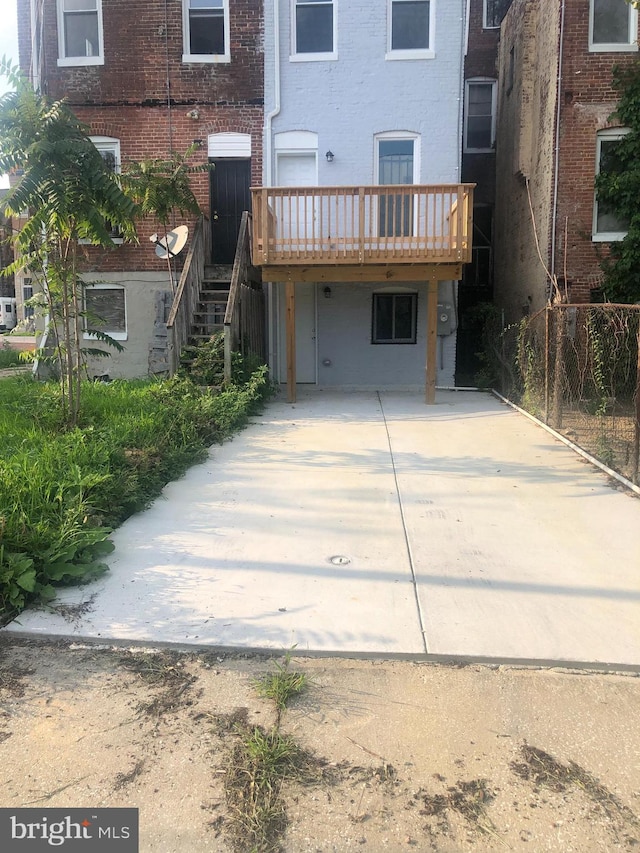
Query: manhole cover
x,y
339,560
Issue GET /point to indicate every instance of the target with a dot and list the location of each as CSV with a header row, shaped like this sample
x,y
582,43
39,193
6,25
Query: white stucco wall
x,y
141,289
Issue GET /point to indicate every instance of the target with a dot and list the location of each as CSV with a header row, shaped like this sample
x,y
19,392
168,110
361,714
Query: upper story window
x,y
493,12
314,29
613,25
607,225
109,149
480,115
205,24
80,32
411,29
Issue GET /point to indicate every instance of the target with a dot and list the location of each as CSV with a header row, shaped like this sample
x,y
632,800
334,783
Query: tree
x,y
68,195
618,188
160,187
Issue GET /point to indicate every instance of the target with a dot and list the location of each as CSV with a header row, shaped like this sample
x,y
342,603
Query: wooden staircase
x,y
208,318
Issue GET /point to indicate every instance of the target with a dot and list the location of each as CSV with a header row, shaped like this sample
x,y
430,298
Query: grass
x,y
282,685
261,762
63,491
9,358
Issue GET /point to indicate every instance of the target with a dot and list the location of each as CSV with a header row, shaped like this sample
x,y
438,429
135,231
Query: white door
x,y
296,215
306,358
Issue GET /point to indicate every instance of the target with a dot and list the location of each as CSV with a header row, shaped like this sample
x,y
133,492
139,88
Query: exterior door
x,y
306,357
296,218
395,166
230,197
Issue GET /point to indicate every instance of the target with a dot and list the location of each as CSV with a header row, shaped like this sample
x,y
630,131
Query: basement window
x,y
206,31
394,318
105,311
80,40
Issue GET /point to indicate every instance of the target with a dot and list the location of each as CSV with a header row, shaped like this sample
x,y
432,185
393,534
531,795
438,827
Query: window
x,y
80,32
613,25
411,24
607,225
27,294
105,311
480,115
109,149
493,13
206,31
396,165
394,318
314,34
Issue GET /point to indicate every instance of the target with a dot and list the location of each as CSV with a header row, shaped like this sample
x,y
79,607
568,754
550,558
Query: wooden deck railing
x,y
185,301
405,224
244,324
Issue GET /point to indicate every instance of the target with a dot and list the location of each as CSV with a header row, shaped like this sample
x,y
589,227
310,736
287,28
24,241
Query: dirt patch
x,y
373,755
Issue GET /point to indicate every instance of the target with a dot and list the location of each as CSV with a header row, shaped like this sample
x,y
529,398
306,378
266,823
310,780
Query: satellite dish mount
x,y
169,246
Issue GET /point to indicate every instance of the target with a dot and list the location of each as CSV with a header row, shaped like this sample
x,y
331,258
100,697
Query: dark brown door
x,y
230,196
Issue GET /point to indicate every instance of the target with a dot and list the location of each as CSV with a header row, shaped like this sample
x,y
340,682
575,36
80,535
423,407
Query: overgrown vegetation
x,y
262,761
63,490
9,358
618,188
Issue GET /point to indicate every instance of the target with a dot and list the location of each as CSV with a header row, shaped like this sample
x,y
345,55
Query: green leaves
x,y
618,188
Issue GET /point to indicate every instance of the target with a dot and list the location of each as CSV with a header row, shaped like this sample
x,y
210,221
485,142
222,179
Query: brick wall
x,y
524,151
587,101
526,146
143,93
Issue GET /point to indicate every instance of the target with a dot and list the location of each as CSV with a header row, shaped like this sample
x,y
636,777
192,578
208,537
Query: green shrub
x,y
62,491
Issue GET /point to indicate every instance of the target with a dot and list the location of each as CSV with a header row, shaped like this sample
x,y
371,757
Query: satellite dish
x,y
172,244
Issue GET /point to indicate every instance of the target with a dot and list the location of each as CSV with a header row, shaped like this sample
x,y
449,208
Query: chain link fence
x,y
577,368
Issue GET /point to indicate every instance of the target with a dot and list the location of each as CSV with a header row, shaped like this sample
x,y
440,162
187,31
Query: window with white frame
x,y
493,12
27,294
105,311
313,29
394,318
109,149
205,25
397,164
613,25
607,225
480,115
411,29
80,40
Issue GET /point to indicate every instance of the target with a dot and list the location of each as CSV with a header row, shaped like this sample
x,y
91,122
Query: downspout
x,y
463,55
268,149
556,169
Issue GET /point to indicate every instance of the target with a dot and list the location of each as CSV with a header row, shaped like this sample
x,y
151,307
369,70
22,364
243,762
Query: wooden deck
x,y
415,232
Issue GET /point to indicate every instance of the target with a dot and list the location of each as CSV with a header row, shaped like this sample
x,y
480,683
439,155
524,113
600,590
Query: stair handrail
x,y
239,276
187,294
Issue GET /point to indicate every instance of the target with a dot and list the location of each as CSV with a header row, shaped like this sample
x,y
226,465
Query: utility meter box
x,y
445,318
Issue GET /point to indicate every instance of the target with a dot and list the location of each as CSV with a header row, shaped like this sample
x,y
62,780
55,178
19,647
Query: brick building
x,y
554,121
149,79
479,168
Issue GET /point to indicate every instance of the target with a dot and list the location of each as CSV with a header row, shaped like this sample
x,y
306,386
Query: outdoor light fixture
x,y
329,156
327,293
198,142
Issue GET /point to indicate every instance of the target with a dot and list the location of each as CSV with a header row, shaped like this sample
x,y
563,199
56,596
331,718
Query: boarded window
x,y
105,310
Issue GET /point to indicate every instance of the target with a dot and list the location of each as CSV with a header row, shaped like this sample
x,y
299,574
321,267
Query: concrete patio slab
x,y
370,523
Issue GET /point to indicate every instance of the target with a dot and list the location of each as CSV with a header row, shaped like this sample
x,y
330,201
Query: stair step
x,y
217,272
223,295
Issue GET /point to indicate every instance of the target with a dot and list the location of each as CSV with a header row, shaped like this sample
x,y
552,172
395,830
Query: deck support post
x,y
432,342
290,325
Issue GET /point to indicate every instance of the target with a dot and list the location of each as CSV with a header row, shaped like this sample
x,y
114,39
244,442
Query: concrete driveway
x,y
370,523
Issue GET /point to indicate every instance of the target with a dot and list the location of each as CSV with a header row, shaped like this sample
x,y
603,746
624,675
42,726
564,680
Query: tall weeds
x,y
63,490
